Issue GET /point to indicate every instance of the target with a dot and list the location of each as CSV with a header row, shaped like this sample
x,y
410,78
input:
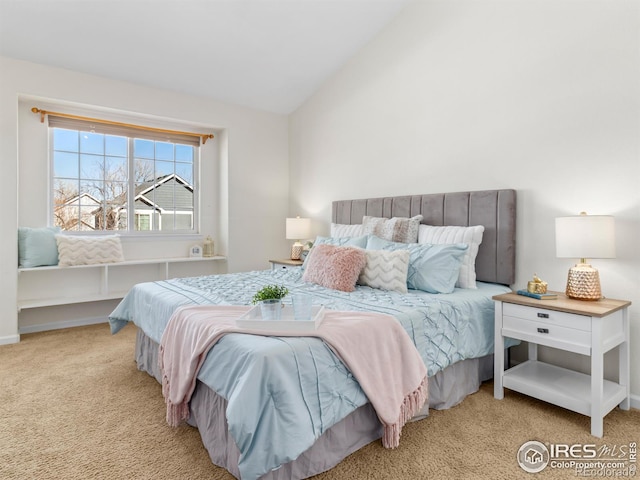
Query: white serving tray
x,y
253,319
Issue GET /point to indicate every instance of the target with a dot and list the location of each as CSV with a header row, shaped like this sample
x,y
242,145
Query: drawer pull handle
x,y
543,330
543,315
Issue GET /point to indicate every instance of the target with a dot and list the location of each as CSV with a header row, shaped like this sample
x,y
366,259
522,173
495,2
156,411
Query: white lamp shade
x,y
585,236
298,228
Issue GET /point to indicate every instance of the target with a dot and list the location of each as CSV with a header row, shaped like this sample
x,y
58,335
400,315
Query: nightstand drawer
x,y
555,318
544,333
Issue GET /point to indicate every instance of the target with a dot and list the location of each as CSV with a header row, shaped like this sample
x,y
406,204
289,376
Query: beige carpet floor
x,y
74,406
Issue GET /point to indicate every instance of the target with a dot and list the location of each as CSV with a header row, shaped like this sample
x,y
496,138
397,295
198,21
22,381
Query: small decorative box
x,y
537,285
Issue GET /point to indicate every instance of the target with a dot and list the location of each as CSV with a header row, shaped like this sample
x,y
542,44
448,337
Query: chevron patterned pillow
x,y
85,250
386,270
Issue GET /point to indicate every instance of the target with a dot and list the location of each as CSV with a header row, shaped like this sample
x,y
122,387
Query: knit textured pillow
x,y
396,229
334,267
386,270
77,250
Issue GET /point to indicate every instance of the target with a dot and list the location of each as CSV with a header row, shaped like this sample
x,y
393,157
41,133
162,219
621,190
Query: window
x,y
107,179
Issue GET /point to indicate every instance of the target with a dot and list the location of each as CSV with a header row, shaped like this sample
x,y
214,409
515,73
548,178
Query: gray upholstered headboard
x,y
495,209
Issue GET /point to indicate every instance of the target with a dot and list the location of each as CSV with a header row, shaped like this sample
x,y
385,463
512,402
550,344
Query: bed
x,y
314,418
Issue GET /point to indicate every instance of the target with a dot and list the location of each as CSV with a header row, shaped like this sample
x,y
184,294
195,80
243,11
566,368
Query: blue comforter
x,y
283,393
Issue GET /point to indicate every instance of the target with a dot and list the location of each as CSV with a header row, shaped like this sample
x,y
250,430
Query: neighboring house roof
x,y
76,200
87,205
161,194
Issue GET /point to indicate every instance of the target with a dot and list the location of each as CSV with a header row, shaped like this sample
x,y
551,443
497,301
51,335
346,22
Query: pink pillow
x,y
335,267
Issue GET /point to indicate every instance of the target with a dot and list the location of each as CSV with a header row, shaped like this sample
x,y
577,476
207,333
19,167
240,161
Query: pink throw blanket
x,y
373,346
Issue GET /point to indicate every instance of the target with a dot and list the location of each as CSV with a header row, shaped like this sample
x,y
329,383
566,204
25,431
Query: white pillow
x,y
386,270
472,236
339,230
88,250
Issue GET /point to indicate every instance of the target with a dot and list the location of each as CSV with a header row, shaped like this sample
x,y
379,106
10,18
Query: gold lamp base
x,y
583,283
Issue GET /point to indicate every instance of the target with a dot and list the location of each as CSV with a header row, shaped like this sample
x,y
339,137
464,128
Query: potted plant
x,y
270,299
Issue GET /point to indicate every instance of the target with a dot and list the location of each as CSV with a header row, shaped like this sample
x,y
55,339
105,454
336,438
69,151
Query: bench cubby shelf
x,y
55,285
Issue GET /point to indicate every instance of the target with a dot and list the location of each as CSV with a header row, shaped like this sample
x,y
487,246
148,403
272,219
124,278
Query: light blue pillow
x,y
37,246
360,242
432,268
343,241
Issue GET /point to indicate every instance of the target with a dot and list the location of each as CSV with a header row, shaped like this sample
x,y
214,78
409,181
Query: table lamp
x,y
297,229
585,236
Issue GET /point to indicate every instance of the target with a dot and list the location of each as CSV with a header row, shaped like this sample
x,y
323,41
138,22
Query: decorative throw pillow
x,y
37,246
334,267
360,242
85,250
386,270
432,268
339,230
396,229
472,236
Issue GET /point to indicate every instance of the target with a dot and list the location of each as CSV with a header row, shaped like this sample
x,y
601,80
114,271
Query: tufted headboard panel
x,y
495,209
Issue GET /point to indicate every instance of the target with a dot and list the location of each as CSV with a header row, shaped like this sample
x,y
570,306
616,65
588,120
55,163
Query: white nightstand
x,y
285,263
584,327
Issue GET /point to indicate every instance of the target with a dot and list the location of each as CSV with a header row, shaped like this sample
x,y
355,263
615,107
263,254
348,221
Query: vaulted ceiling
x,y
266,54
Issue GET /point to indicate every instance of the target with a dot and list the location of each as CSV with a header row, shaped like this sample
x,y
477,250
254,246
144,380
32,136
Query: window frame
x,y
131,187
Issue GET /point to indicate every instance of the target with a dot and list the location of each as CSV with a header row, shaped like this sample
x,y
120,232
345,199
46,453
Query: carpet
x,y
75,407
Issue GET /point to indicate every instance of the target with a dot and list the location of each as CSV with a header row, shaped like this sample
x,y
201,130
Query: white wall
x,y
250,148
539,96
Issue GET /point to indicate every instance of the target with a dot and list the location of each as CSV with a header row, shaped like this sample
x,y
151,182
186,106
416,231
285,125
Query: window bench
x,y
55,285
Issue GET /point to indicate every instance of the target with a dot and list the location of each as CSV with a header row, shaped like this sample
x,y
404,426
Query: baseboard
x,y
9,339
43,327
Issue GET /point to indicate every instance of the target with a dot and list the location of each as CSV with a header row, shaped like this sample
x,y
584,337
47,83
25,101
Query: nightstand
x,y
285,263
584,327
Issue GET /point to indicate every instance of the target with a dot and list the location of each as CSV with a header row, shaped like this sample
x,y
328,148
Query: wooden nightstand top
x,y
597,308
287,261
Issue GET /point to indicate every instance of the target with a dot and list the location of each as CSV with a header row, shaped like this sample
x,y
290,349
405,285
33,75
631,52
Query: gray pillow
x,y
396,229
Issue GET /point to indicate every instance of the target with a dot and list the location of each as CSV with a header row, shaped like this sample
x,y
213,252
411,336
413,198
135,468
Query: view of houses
x,y
165,203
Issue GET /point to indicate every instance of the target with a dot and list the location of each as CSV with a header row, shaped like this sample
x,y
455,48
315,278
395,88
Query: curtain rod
x,y
202,136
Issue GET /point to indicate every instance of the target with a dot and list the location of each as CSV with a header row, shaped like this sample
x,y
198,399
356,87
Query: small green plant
x,y
270,292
